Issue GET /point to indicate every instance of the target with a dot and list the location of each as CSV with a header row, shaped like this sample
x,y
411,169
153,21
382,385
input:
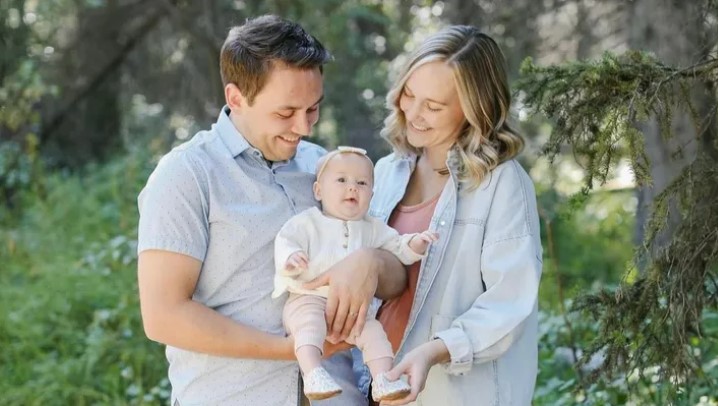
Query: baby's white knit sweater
x,y
327,240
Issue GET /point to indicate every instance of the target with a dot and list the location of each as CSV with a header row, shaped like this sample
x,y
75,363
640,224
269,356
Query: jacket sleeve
x,y
510,269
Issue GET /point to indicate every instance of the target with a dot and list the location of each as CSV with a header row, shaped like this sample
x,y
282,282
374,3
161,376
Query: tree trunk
x,y
668,29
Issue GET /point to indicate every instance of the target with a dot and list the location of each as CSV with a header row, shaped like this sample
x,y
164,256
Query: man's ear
x,y
317,191
234,98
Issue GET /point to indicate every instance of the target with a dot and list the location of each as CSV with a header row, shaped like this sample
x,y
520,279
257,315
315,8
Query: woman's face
x,y
431,106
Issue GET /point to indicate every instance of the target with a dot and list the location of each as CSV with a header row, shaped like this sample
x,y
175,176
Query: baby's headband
x,y
341,150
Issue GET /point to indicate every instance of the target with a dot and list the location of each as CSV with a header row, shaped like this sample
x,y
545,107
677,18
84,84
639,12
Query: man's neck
x,y
238,125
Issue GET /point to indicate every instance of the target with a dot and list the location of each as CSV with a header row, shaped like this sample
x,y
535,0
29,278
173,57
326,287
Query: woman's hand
x,y
416,365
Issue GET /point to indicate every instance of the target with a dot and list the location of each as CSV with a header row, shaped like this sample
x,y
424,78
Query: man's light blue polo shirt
x,y
216,199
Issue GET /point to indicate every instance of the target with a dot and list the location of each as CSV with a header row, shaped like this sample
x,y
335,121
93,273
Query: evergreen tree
x,y
600,109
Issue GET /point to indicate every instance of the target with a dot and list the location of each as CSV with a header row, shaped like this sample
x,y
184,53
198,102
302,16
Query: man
x,y
208,217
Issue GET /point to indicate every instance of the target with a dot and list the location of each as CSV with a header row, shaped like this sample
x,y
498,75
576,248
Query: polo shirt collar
x,y
231,137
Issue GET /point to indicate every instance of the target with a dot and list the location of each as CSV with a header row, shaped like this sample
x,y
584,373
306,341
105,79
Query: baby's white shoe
x,y
384,389
318,385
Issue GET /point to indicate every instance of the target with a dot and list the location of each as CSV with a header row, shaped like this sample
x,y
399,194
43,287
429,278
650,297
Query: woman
x,y
471,305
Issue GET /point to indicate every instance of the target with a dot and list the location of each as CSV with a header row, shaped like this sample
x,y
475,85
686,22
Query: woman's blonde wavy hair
x,y
479,67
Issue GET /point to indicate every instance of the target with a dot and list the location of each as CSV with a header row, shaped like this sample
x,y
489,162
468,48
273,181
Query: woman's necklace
x,y
426,163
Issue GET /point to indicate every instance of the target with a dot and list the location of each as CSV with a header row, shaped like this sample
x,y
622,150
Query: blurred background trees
x,y
92,92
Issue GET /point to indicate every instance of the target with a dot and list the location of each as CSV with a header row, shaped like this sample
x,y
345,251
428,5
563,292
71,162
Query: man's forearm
x,y
392,278
166,282
195,327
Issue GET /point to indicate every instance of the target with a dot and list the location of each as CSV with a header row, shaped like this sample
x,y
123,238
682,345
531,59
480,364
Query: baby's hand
x,y
421,241
296,263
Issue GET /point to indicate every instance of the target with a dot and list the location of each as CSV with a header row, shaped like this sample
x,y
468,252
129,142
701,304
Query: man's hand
x,y
296,263
352,284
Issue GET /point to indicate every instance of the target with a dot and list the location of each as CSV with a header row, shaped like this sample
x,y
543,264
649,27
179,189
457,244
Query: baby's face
x,y
345,186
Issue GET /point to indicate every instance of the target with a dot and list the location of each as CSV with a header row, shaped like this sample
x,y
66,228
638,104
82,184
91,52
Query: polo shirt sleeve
x,y
174,208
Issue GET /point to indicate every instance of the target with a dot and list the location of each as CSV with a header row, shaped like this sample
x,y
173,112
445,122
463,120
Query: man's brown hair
x,y
251,50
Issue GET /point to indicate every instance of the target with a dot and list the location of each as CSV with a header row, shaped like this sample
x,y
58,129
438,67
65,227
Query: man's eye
x,y
280,115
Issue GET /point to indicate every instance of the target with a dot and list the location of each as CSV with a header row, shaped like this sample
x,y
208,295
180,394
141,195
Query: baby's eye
x,y
341,180
362,183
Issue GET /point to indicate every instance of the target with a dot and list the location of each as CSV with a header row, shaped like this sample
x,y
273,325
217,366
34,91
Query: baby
x,y
314,240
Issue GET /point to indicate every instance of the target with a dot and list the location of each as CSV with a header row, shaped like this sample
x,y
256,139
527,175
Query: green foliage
x,y
22,88
596,106
652,319
584,246
16,174
563,340
19,95
70,329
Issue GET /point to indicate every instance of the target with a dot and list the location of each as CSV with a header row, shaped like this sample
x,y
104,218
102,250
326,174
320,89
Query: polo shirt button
x,y
442,223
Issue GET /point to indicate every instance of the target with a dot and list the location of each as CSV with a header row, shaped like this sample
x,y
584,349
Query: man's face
x,y
283,112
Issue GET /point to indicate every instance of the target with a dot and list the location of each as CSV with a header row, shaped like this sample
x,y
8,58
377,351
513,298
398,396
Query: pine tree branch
x,y
691,72
651,319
